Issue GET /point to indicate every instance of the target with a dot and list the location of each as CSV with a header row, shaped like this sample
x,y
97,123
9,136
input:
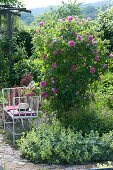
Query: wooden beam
x,y
13,13
5,6
16,9
0,22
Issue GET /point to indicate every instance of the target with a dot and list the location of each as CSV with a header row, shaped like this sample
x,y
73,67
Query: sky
x,y
43,3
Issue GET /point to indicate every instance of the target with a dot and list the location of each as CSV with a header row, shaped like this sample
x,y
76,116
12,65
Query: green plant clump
x,y
55,144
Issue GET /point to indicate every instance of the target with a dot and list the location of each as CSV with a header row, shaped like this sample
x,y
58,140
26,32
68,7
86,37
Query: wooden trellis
x,y
10,11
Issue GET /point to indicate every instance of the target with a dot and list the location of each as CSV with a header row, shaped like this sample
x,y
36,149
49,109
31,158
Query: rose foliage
x,y
73,57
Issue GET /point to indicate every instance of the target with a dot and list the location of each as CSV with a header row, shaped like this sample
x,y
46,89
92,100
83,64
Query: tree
x,y
105,20
11,2
64,10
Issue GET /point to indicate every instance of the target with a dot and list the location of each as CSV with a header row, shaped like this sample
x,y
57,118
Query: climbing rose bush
x,y
73,56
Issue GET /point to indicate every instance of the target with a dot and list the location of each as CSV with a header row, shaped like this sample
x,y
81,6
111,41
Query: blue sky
x,y
42,3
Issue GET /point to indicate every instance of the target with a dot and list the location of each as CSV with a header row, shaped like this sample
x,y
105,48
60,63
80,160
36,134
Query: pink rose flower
x,y
54,65
93,50
111,55
82,20
42,94
44,56
70,18
72,68
92,70
89,18
77,22
53,82
46,95
76,92
96,58
74,32
54,41
87,33
79,37
90,38
37,31
47,42
41,23
54,52
52,79
60,20
43,83
54,90
60,50
71,43
105,65
84,98
84,23
100,78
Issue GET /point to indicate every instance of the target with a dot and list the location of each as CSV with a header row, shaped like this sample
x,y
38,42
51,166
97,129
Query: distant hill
x,y
89,10
36,11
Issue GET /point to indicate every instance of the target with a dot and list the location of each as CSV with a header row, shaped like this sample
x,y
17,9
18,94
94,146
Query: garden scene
x,y
56,90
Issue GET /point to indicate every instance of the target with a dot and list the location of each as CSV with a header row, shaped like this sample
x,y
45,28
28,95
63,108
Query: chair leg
x,y
4,118
23,125
13,132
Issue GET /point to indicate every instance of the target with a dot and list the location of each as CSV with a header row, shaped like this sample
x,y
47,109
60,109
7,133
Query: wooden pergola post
x,y
9,11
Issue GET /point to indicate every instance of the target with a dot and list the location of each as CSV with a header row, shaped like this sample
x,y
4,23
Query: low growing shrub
x,y
56,144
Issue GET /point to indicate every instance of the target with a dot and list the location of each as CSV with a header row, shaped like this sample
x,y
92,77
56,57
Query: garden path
x,y
10,160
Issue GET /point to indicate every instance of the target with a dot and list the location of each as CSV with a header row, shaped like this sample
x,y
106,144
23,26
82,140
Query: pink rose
x,y
54,90
44,56
43,83
41,23
54,65
52,79
60,50
54,41
96,58
42,94
70,18
37,31
105,65
87,33
46,95
89,18
54,52
71,43
82,20
92,70
90,38
111,55
100,78
84,98
72,68
79,37
76,92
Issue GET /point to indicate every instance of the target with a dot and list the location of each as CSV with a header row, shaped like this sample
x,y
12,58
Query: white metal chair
x,y
11,99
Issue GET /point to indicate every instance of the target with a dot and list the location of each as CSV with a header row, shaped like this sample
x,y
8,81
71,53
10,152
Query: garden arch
x,y
8,12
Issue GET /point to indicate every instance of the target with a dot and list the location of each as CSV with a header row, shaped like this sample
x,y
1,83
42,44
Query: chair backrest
x,y
33,103
9,94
